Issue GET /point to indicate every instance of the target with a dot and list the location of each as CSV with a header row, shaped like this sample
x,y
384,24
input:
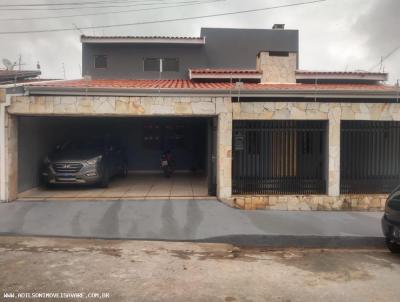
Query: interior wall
x,y
38,137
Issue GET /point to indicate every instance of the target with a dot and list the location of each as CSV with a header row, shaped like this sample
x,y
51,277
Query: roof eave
x,y
354,77
138,40
326,94
225,76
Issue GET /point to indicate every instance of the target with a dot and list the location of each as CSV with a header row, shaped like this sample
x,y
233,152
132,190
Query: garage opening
x,y
138,142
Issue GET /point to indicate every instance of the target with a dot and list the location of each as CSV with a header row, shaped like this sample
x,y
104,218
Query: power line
x,y
71,3
165,20
112,12
387,56
123,4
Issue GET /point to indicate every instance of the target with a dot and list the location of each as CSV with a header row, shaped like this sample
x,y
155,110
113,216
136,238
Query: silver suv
x,y
84,162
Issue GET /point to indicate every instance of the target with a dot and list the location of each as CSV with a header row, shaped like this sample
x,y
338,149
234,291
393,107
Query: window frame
x,y
149,58
161,61
175,59
94,61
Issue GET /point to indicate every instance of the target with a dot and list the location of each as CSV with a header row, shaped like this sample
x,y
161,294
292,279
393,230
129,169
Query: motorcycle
x,y
167,164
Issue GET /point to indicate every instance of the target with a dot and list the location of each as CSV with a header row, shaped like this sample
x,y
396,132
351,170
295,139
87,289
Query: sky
x,y
339,35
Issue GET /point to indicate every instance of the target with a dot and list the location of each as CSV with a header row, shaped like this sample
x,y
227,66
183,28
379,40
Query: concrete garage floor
x,y
135,186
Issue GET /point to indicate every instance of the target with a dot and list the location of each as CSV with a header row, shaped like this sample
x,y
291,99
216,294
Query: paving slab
x,y
188,220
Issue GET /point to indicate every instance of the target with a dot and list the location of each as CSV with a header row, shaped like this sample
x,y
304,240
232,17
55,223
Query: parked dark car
x,y
84,162
391,221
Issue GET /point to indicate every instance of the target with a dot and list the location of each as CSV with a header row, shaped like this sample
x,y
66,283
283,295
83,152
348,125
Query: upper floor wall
x,y
223,48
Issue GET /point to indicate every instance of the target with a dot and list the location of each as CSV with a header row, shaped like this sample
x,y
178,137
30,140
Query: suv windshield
x,y
83,145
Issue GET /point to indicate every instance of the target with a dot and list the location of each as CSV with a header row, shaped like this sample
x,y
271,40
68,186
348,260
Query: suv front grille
x,y
67,167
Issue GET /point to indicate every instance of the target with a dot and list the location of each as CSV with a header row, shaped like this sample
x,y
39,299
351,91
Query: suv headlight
x,y
94,161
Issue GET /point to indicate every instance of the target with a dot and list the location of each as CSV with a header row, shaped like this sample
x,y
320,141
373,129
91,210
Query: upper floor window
x,y
161,65
100,61
278,54
152,64
170,64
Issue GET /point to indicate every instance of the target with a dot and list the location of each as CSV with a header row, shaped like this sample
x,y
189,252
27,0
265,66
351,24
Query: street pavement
x,y
126,270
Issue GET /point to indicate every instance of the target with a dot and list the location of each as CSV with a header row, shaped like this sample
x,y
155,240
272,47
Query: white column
x,y
334,152
3,149
224,156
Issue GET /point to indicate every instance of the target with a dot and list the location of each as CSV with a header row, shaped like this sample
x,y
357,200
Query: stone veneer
x,y
136,106
277,69
2,95
332,112
226,111
118,106
370,202
317,111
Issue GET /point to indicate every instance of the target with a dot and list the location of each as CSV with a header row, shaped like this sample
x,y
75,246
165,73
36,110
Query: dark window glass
x,y
170,64
100,61
278,54
394,202
151,64
152,136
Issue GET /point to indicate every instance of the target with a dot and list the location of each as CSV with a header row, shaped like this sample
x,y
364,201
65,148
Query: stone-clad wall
x,y
333,112
370,202
226,111
224,156
139,106
277,69
317,111
121,106
2,95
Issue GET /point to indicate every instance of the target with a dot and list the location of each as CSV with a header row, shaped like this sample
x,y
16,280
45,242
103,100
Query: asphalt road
x,y
189,220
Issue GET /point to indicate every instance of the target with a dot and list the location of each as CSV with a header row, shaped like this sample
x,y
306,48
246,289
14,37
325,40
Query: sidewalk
x,y
181,220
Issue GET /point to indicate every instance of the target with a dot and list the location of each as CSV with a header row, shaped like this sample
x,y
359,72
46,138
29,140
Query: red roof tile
x,y
187,84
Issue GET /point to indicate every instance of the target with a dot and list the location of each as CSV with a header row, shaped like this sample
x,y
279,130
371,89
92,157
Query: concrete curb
x,y
282,241
266,241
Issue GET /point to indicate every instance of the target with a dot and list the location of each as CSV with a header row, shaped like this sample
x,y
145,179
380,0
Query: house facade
x,y
232,104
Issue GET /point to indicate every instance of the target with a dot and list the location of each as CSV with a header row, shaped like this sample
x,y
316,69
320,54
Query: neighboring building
x,y
18,76
143,57
233,104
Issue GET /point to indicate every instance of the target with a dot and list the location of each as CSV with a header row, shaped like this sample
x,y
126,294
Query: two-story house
x,y
244,123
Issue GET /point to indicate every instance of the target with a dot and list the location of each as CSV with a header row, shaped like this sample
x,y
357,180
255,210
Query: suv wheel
x,y
124,172
105,180
392,246
49,185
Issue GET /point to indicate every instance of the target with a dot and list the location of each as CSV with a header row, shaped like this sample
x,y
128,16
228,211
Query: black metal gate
x,y
370,157
278,157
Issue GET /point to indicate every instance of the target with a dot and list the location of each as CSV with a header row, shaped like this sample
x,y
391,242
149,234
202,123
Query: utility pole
x,y
63,68
19,62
